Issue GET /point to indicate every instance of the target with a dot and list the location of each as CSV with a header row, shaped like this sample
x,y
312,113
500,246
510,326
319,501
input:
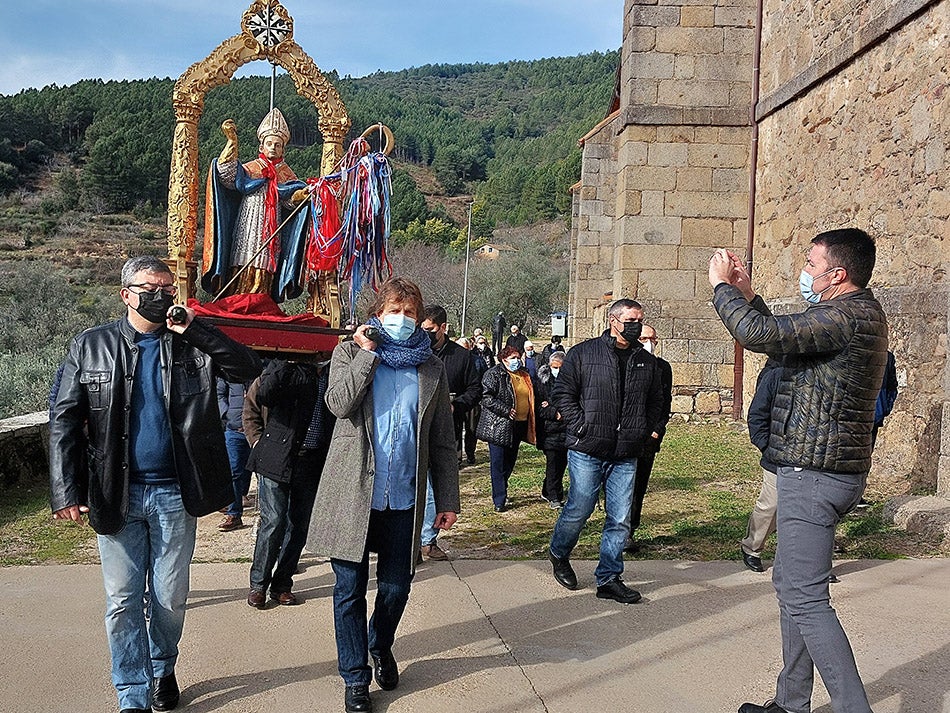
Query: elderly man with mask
x,y
138,396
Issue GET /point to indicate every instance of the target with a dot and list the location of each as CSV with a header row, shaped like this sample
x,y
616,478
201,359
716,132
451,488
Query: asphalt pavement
x,y
497,636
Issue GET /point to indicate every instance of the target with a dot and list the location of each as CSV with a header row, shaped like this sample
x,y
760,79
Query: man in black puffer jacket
x,y
833,357
610,398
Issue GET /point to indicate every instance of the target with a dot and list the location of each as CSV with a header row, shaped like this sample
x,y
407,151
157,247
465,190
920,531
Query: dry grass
x,y
702,489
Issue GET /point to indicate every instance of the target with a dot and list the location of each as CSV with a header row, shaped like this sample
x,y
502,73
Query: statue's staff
x,y
263,246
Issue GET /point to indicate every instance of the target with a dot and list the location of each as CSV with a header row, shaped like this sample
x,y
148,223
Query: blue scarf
x,y
399,355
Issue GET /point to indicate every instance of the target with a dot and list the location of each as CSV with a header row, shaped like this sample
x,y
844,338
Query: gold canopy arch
x,y
266,34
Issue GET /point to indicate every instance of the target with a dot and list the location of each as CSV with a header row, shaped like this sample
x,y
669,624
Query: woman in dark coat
x,y
508,418
550,432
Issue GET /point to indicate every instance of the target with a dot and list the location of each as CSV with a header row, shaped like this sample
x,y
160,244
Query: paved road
x,y
489,636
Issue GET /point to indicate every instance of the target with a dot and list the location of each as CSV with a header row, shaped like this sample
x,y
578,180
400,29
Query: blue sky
x,y
62,41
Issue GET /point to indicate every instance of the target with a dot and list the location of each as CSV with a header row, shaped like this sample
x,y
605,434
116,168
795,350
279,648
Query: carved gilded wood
x,y
266,34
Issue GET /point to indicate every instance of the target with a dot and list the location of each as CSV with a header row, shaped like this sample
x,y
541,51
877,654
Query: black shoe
x,y
385,671
501,508
356,699
632,547
832,579
618,591
753,562
770,707
563,572
165,693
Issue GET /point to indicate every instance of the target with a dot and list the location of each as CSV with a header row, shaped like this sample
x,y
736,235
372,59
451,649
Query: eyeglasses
x,y
170,290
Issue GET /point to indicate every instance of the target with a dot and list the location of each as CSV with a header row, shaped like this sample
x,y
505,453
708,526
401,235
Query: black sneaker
x,y
618,591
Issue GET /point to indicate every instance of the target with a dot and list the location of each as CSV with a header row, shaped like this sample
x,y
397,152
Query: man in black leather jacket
x,y
833,357
138,397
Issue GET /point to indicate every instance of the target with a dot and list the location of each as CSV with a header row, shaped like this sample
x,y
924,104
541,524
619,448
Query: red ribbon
x,y
322,254
269,172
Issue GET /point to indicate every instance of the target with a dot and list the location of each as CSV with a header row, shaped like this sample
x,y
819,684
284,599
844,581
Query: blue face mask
x,y
399,327
806,285
513,364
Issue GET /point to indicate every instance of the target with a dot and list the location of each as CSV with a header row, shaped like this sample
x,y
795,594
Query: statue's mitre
x,y
274,124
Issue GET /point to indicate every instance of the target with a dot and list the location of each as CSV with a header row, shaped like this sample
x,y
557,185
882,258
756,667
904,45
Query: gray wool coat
x,y
340,520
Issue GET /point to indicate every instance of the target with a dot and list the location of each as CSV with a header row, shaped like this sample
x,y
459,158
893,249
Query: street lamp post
x,y
468,248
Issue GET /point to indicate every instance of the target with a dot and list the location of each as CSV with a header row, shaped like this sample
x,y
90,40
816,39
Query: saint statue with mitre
x,y
246,203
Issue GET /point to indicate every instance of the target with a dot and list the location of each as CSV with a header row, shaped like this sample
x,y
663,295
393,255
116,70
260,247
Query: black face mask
x,y
153,306
433,338
631,332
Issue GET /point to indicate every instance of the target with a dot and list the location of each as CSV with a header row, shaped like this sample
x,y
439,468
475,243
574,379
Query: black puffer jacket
x,y
760,410
833,355
587,393
550,427
96,391
498,398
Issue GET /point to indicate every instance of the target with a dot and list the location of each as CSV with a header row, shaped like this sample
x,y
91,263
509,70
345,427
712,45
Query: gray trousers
x,y
810,504
762,520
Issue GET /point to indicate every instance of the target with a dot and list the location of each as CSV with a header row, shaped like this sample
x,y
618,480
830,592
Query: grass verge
x,y
704,483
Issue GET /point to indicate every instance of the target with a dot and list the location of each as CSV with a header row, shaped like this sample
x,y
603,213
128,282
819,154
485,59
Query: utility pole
x,y
468,248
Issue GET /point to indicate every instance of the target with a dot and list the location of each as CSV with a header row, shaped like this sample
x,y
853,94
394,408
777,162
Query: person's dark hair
x,y
623,304
400,291
134,265
507,352
436,314
555,339
852,249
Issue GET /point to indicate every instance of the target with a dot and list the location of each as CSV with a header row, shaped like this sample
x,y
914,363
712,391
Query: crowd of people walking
x,y
361,454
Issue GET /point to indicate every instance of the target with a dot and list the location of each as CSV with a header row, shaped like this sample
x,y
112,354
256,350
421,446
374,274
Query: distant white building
x,y
492,251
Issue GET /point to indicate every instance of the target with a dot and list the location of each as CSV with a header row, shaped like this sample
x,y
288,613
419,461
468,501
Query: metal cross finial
x,y
268,28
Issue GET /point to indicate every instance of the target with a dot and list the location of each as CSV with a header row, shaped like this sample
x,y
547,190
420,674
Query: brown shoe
x,y
434,552
231,522
256,599
285,599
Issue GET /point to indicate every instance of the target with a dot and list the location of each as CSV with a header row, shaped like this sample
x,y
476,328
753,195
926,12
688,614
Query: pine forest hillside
x,y
84,181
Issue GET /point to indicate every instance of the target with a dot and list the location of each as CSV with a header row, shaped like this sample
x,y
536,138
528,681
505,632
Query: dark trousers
x,y
555,463
470,439
502,461
390,536
644,468
284,520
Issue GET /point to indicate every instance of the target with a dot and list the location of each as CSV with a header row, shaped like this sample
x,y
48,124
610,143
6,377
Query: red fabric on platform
x,y
253,306
269,336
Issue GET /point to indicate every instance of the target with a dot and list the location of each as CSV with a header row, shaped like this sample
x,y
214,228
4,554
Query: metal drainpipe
x,y
739,356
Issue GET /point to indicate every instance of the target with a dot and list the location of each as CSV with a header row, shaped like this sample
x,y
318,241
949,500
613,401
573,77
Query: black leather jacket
x,y
92,409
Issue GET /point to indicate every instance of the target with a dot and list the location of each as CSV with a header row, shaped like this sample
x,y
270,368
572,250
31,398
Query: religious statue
x,y
246,203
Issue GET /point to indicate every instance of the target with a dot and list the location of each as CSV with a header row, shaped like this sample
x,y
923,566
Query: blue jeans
x,y
390,536
238,451
810,504
285,510
429,531
587,474
150,555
